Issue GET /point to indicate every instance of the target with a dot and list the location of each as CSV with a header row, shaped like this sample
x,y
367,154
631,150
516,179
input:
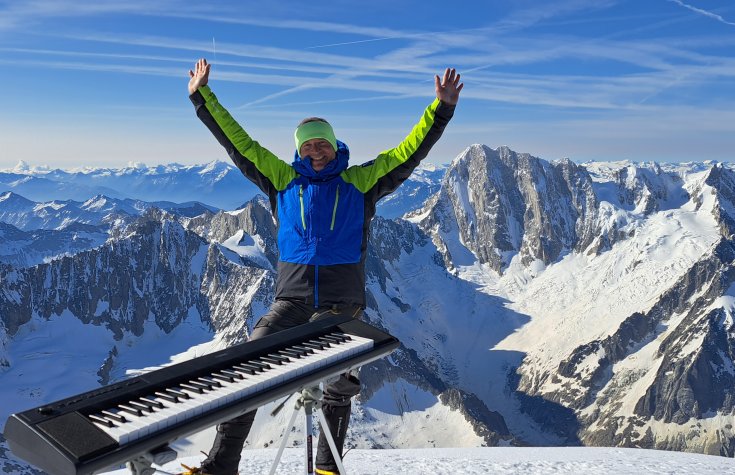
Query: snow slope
x,y
490,460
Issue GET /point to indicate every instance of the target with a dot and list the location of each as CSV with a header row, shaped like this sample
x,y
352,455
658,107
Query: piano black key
x,y
332,339
274,359
315,345
234,374
257,367
193,386
210,381
205,384
101,420
340,336
149,400
179,391
139,404
304,349
326,342
283,358
167,396
260,365
221,376
246,368
114,415
291,353
130,410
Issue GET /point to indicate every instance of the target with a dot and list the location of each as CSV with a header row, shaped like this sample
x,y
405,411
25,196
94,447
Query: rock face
x,y
254,218
151,267
543,302
504,203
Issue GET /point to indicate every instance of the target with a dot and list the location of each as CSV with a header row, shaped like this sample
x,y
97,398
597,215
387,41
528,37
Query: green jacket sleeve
x,y
392,167
257,163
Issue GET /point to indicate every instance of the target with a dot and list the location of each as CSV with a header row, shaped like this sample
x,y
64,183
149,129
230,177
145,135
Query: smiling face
x,y
319,151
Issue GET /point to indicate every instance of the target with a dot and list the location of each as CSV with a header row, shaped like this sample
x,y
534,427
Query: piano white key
x,y
184,409
187,408
135,428
125,430
160,418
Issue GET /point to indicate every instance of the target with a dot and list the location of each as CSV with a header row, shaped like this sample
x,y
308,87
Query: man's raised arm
x,y
392,167
257,163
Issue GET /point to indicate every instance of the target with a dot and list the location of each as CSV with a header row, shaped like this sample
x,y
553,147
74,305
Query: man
x,y
323,210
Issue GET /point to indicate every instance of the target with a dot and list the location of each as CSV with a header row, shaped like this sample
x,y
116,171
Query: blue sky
x,y
104,83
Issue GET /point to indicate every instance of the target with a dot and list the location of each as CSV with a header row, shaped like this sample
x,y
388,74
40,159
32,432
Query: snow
x,y
199,260
485,460
249,247
457,335
410,415
666,244
46,363
136,351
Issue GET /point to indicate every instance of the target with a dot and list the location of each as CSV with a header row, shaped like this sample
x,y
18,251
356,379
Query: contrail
x,y
703,12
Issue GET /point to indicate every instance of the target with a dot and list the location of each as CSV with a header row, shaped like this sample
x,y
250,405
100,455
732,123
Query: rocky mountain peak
x,y
498,204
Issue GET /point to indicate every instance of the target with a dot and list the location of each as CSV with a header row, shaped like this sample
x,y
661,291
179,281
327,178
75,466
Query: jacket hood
x,y
333,168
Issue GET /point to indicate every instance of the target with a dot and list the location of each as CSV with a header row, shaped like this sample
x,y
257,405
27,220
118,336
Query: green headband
x,y
315,130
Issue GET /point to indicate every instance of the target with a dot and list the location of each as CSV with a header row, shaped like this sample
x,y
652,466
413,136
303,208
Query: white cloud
x,y
703,12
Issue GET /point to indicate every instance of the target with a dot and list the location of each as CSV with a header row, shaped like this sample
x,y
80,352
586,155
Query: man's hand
x,y
448,89
200,76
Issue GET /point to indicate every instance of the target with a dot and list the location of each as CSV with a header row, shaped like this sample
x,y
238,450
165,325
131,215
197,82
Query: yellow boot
x,y
192,470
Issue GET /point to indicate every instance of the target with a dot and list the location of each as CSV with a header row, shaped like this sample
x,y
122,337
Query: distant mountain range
x,y
216,185
537,303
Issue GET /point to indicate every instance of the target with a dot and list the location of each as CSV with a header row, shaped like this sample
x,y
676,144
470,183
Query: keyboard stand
x,y
141,465
310,400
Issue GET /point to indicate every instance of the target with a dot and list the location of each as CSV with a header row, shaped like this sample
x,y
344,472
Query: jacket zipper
x,y
301,200
334,211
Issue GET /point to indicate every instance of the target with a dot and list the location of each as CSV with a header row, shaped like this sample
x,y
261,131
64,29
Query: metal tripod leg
x,y
294,413
309,400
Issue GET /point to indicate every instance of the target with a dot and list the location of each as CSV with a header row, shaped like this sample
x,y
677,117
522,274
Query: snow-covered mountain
x,y
540,303
626,279
28,248
98,210
413,193
216,184
32,233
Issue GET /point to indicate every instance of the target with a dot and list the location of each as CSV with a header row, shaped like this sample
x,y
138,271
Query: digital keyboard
x,y
112,425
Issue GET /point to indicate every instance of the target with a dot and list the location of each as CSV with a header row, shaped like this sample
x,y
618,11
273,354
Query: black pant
x,y
224,457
